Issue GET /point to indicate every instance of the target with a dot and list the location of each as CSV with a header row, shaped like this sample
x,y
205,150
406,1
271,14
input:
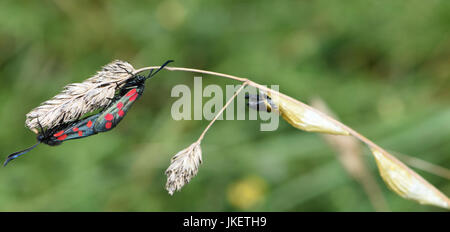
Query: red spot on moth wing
x,y
80,133
119,105
131,93
132,98
62,137
59,133
75,129
108,125
89,124
109,117
121,113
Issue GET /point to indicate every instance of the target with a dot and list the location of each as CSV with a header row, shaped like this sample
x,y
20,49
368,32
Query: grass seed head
x,y
77,99
304,118
183,167
406,182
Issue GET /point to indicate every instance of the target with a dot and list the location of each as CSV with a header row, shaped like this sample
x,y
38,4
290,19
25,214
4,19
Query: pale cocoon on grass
x,y
303,117
406,183
183,167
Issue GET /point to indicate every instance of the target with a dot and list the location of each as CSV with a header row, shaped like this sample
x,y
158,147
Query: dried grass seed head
x,y
302,117
406,182
78,99
183,167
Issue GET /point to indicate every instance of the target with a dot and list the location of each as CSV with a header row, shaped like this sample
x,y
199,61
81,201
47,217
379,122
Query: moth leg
x,y
111,100
126,70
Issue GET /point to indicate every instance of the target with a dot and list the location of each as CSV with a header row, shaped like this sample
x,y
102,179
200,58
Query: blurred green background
x,y
382,66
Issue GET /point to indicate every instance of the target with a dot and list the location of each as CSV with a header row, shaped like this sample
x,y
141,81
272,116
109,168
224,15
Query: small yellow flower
x,y
247,192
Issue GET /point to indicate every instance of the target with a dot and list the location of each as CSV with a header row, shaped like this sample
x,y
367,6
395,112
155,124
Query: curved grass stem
x,y
221,111
352,132
251,83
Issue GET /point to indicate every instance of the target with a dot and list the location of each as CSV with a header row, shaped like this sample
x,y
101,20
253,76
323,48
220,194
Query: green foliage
x,y
382,66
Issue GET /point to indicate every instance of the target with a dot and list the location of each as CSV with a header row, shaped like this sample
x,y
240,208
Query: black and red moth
x,y
104,121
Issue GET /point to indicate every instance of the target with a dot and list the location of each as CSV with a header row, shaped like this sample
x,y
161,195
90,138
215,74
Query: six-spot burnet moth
x,y
105,120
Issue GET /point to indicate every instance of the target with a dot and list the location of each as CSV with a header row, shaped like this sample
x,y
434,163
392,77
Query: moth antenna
x,y
40,126
151,74
19,153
